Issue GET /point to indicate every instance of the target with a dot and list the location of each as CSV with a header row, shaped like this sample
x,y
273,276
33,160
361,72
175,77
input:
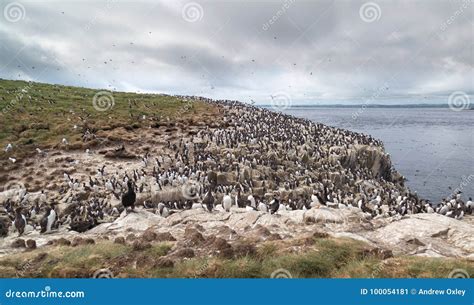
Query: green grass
x,y
327,258
40,115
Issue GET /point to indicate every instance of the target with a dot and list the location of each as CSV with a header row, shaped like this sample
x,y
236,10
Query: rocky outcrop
x,y
430,235
373,158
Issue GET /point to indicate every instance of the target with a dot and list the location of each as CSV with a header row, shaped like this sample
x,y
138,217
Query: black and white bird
x,y
262,207
226,202
208,200
274,206
20,221
128,199
163,210
48,220
8,147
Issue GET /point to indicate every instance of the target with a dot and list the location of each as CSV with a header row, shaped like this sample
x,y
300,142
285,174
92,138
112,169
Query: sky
x,y
300,52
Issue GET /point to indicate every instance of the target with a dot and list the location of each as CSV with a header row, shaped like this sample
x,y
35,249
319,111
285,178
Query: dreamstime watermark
x,y
455,15
459,101
192,12
100,14
190,190
14,185
12,189
281,274
280,12
18,97
376,94
14,12
201,270
24,268
370,12
458,274
47,292
281,101
188,105
103,101
103,274
465,181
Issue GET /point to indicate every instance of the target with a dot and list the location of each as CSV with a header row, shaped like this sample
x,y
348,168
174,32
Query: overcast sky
x,y
318,51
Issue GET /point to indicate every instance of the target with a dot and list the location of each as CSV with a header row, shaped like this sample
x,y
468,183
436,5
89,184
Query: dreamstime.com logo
x,y
192,12
12,189
370,12
14,12
45,293
459,101
458,274
281,274
103,101
190,190
281,101
103,274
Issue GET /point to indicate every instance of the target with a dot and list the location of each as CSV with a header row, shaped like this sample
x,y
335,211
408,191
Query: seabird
x,y
262,207
8,147
48,220
227,202
128,199
274,206
20,221
209,200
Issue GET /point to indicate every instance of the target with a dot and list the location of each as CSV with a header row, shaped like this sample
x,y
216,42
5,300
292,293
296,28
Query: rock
x,y
138,221
144,261
309,220
166,236
140,245
31,244
443,235
78,241
244,248
18,243
378,253
415,241
119,240
62,242
225,231
274,236
184,253
220,247
319,234
261,231
149,235
193,237
164,262
131,237
89,241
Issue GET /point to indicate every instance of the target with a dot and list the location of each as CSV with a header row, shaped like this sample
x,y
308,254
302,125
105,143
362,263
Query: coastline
x,y
274,155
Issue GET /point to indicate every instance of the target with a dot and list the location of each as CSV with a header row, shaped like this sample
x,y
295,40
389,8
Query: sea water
x,y
433,148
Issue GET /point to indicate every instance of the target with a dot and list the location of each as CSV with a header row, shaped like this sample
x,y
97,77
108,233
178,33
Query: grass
x,y
327,258
40,115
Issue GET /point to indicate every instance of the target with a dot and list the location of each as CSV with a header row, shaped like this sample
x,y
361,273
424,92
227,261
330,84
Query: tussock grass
x,y
327,258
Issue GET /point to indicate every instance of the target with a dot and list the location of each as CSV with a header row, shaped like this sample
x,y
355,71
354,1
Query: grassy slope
x,y
340,258
40,115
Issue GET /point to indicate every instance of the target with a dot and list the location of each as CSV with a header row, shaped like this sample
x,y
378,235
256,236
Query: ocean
x,y
432,147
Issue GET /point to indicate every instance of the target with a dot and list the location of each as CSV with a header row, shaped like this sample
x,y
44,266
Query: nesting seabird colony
x,y
254,159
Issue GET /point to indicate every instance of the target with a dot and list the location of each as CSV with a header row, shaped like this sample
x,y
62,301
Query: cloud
x,y
312,50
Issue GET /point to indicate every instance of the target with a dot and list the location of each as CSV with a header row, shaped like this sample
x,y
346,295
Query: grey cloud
x,y
245,50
